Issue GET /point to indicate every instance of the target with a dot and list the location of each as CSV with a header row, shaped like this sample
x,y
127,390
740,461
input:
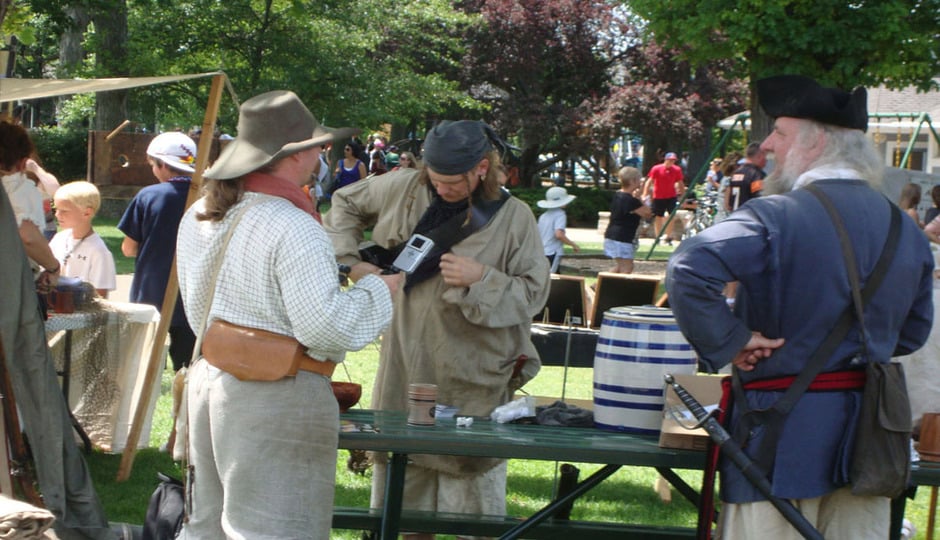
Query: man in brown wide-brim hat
x,y
250,253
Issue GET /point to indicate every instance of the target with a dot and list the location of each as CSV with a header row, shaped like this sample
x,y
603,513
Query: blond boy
x,y
78,248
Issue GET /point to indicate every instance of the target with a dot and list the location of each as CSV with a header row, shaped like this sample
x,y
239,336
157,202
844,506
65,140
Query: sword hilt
x,y
687,399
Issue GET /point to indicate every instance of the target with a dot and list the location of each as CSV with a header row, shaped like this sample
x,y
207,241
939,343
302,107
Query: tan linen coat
x,y
464,340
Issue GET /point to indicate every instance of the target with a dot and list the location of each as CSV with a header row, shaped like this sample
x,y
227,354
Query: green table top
x,y
491,439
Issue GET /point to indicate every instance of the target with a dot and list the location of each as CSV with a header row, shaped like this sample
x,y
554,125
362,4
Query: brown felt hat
x,y
271,126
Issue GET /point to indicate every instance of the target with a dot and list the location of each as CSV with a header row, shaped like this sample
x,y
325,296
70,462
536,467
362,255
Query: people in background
x,y
406,160
48,184
463,319
78,248
664,184
350,169
26,200
788,302
910,200
377,164
552,224
276,273
626,211
934,210
746,182
713,176
150,224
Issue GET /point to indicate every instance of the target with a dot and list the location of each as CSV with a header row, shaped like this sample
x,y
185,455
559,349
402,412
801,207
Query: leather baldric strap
x,y
320,367
773,417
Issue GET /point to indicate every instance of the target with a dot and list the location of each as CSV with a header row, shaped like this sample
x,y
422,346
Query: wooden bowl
x,y
347,394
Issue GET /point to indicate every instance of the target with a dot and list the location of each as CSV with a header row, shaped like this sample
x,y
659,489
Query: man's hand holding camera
x,y
393,281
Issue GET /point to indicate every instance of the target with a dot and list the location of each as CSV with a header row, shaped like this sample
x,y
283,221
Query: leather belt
x,y
320,367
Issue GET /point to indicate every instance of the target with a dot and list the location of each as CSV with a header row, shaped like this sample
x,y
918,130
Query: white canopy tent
x,y
25,89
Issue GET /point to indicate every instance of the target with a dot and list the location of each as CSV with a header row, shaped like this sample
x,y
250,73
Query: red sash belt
x,y
833,381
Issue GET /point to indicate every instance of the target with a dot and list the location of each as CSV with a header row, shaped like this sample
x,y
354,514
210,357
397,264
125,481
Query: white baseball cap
x,y
175,149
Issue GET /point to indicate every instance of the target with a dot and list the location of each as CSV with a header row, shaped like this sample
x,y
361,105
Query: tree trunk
x,y
111,25
761,124
528,168
71,48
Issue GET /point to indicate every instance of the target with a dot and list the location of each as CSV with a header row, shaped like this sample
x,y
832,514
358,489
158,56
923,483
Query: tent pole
x,y
157,362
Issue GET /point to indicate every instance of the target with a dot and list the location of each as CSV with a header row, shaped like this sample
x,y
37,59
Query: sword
x,y
750,471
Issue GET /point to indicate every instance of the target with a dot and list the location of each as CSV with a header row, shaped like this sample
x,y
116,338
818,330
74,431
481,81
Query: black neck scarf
x,y
438,213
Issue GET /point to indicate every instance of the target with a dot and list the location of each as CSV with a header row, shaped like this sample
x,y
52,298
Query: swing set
x,y
902,161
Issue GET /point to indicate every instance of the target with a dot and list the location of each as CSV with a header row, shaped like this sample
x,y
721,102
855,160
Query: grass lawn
x,y
626,497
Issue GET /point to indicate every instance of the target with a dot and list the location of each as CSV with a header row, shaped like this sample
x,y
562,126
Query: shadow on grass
x,y
626,497
127,501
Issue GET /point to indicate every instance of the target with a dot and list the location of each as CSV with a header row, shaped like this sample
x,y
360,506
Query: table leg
x,y
681,486
394,492
932,513
67,365
547,512
66,378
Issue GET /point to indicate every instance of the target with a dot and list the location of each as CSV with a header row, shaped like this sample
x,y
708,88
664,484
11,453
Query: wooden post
x,y
116,130
156,362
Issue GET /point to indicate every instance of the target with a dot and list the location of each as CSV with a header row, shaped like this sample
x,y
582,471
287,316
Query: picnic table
x,y
385,431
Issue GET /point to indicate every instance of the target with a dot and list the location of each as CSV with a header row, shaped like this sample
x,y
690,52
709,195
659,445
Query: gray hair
x,y
852,149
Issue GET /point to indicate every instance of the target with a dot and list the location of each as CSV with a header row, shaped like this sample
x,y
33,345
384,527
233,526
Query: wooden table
x,y
388,432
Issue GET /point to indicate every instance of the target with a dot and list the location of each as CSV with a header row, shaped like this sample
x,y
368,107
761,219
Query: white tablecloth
x,y
110,352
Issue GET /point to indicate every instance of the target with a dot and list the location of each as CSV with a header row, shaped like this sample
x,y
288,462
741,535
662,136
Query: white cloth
x,y
86,258
23,521
25,198
838,516
821,173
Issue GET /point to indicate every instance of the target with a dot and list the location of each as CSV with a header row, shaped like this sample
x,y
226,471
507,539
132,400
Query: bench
x,y
495,526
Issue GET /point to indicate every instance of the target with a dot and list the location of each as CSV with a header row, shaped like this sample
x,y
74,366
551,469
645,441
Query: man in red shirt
x,y
666,182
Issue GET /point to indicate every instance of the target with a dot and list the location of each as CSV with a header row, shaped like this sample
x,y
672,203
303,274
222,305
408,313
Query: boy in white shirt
x,y
552,225
79,249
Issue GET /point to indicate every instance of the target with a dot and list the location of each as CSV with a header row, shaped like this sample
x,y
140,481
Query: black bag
x,y
881,458
165,511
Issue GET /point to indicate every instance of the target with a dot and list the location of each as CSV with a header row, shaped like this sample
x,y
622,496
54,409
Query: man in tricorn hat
x,y
263,446
786,254
463,318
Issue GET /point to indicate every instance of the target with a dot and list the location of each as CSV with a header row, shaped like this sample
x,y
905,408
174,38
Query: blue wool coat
x,y
784,252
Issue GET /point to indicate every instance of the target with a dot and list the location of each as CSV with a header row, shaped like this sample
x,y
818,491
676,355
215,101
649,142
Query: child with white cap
x,y
150,224
552,225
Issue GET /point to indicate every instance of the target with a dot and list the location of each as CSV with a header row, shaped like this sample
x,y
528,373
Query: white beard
x,y
783,178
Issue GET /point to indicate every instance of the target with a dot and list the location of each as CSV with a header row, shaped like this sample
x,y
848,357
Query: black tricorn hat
x,y
802,97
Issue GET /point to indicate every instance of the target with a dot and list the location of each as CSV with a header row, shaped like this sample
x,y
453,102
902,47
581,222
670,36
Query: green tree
x,y
892,42
353,63
535,64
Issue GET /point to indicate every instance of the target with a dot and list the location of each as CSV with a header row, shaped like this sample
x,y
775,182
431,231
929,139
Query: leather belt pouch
x,y
251,354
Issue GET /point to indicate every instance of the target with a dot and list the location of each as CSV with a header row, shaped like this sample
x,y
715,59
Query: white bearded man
x,y
793,286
